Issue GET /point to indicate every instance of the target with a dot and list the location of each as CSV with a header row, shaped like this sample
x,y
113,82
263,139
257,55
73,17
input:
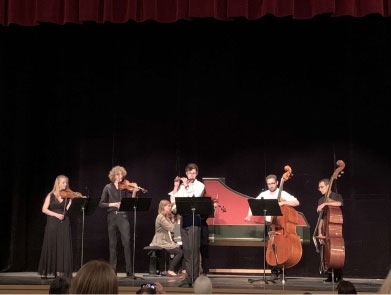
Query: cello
x,y
331,247
284,246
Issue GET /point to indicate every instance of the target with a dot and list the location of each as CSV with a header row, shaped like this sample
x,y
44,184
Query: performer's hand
x,y
117,204
177,181
185,181
60,216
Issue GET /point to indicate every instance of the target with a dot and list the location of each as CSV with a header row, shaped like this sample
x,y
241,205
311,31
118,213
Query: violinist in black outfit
x,y
56,255
112,195
335,199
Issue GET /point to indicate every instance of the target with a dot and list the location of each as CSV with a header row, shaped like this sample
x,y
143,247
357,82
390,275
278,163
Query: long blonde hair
x,y
163,203
56,186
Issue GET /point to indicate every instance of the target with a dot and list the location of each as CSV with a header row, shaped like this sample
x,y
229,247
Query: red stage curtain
x,y
34,12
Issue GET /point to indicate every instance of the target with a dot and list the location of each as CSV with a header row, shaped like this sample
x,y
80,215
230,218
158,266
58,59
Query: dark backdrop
x,y
240,98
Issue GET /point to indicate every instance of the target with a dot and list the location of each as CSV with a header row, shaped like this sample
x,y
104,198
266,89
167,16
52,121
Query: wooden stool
x,y
155,260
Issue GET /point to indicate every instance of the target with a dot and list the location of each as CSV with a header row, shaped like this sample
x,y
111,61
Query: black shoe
x,y
275,273
328,280
185,283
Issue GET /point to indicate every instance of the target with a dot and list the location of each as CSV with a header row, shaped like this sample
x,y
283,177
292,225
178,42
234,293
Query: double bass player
x,y
286,199
334,199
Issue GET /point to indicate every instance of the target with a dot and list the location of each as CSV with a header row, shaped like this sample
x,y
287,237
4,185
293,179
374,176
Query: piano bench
x,y
156,258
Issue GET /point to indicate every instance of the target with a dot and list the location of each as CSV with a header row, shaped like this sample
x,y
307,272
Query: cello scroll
x,y
288,174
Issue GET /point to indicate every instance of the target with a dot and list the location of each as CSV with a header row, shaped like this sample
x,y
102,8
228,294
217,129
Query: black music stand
x,y
86,206
135,204
202,206
264,207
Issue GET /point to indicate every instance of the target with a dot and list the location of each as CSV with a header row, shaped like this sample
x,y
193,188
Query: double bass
x,y
331,246
284,246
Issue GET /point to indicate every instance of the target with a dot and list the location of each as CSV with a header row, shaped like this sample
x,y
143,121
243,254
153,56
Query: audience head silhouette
x,y
346,287
386,286
60,285
203,285
95,277
146,290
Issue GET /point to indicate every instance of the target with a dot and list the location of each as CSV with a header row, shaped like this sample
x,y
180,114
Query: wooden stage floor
x,y
31,283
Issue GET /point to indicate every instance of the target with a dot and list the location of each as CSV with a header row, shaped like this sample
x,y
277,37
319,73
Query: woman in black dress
x,y
56,254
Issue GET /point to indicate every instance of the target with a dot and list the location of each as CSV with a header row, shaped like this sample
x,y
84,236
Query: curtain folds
x,y
34,12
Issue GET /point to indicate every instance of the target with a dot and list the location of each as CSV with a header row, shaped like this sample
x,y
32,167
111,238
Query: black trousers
x,y
204,247
190,236
337,274
274,269
119,222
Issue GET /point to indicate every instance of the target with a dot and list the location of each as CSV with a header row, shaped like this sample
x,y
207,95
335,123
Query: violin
x,y
69,194
130,186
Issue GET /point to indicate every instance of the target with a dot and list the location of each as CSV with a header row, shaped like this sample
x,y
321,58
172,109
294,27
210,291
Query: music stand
x,y
202,206
86,206
264,207
135,204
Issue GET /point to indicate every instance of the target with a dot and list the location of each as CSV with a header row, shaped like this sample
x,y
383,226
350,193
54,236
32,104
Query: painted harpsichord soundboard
x,y
228,228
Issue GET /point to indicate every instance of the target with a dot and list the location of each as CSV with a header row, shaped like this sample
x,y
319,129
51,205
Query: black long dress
x,y
56,253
